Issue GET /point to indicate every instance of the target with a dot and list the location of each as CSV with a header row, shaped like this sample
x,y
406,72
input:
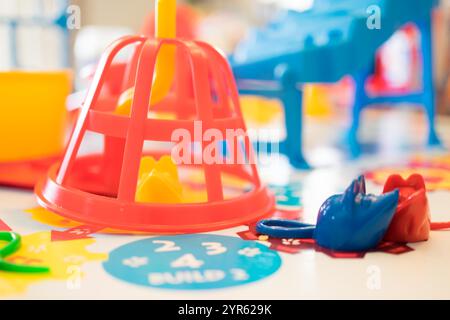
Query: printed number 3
x,y
214,248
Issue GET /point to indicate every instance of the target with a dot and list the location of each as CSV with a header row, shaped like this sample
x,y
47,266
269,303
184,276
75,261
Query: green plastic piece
x,y
13,245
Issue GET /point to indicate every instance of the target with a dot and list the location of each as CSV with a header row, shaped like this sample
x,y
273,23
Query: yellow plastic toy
x,y
260,111
32,114
166,26
316,100
158,181
125,102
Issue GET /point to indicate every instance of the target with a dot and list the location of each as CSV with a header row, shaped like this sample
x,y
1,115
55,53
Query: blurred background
x,y
33,33
55,34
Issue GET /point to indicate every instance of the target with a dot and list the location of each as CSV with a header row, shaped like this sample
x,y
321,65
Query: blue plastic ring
x,y
285,229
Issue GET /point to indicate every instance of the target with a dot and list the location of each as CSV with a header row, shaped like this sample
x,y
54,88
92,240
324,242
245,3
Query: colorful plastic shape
x,y
158,181
316,100
350,222
355,221
186,22
323,45
100,188
37,249
33,124
165,27
435,174
25,174
260,111
13,244
411,222
286,229
397,64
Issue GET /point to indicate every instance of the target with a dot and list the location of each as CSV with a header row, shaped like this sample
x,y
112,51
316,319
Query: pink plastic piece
x,y
99,189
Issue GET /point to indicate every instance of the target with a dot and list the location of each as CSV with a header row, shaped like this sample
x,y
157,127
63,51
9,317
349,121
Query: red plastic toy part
x,y
25,174
411,222
100,188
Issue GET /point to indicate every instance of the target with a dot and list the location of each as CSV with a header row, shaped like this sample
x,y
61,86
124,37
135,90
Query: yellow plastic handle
x,y
166,16
166,26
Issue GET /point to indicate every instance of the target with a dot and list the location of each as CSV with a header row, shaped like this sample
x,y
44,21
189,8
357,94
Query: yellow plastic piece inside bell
x,y
125,102
166,26
158,181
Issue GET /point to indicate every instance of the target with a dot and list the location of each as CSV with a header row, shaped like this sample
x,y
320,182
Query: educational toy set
x,y
160,156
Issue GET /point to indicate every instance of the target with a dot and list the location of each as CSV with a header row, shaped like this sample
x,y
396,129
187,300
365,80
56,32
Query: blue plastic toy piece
x,y
322,45
350,222
286,229
59,21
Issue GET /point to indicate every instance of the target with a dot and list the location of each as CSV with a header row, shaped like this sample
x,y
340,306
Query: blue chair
x,y
322,45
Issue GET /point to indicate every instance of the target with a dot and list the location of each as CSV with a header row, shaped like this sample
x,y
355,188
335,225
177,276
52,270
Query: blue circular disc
x,y
192,262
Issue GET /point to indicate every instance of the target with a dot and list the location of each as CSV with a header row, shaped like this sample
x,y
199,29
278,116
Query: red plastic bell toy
x,y
102,188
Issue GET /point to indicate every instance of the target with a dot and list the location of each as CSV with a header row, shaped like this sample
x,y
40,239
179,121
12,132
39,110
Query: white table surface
x,y
422,273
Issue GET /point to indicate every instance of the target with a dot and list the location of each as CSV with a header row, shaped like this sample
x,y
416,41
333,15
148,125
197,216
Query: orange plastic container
x,y
33,122
100,188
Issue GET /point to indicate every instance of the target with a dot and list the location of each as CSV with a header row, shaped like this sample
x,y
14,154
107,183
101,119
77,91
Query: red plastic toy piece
x,y
25,174
411,222
379,84
99,189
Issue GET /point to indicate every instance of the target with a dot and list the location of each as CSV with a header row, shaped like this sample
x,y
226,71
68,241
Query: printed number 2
x,y
214,248
166,246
